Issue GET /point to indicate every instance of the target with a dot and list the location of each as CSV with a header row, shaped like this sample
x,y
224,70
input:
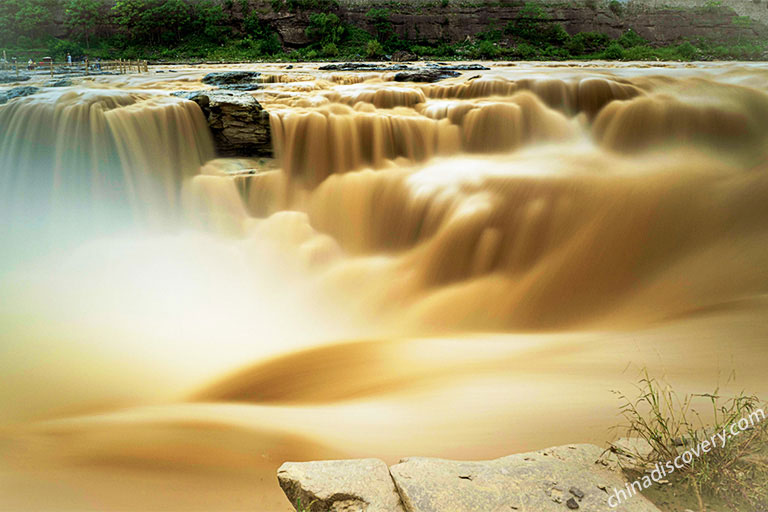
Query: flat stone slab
x,y
361,485
556,479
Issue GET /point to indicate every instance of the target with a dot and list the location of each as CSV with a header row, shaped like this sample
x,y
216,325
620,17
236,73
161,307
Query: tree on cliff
x,y
28,18
82,17
153,21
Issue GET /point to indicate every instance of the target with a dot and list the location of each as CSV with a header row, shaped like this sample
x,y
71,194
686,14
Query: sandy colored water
x,y
464,270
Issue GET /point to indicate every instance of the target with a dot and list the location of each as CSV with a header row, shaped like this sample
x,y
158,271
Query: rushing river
x,y
463,269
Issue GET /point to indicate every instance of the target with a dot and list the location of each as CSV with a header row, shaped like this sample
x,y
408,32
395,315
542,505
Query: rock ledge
x,y
571,477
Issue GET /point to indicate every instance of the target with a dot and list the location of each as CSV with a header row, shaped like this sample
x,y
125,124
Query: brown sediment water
x,y
463,269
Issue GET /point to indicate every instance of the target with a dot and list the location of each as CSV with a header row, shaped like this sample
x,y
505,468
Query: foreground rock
x,y
233,80
573,477
17,92
238,123
425,75
340,485
566,477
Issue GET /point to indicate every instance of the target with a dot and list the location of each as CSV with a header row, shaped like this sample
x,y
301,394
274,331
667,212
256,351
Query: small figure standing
x,y
69,60
31,65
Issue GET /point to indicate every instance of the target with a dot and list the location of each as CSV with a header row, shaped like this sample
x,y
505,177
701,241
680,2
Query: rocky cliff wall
x,y
452,21
659,21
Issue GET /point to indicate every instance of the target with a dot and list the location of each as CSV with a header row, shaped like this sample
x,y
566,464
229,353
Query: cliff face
x,y
433,21
454,21
660,26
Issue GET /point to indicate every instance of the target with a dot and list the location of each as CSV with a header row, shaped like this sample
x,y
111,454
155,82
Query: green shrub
x,y
525,51
591,42
639,53
630,39
492,35
330,50
374,49
270,45
379,18
713,5
59,48
616,7
325,28
687,51
614,51
485,50
534,25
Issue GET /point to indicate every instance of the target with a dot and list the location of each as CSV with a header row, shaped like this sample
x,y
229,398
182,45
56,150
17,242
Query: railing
x,y
122,66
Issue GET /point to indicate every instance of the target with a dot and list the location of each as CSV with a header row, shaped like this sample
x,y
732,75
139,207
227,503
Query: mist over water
x,y
462,269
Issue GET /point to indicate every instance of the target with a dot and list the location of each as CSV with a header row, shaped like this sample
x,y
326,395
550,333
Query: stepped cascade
x,y
424,268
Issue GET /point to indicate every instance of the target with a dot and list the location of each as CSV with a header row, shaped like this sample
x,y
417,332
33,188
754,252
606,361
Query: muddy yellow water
x,y
464,269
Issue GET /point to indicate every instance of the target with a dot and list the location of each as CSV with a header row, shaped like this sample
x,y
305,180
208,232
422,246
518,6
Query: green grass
x,y
732,476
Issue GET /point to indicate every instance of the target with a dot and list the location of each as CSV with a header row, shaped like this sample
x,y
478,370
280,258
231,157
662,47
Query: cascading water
x,y
424,268
96,148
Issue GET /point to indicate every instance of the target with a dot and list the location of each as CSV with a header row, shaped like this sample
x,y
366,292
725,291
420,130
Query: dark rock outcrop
x,y
238,123
233,80
459,67
403,56
17,92
364,66
10,77
64,82
426,75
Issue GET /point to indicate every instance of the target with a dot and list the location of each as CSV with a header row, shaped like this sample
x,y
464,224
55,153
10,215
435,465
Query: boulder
x,y
364,66
17,92
556,479
233,80
403,56
425,75
340,486
10,77
238,123
463,67
64,82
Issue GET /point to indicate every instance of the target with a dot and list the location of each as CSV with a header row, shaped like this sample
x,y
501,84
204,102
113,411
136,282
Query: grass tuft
x,y
733,474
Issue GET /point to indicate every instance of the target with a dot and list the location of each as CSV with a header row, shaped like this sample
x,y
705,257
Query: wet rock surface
x,y
233,80
340,485
17,92
459,67
238,123
64,82
425,75
364,66
10,77
572,477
